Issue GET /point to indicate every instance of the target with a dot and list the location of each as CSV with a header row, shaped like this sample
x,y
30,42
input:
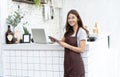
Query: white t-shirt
x,y
80,36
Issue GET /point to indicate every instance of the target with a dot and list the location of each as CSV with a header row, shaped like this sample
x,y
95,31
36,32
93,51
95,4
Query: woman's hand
x,y
53,39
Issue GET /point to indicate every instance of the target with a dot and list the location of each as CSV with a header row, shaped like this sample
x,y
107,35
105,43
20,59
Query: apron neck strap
x,y
77,32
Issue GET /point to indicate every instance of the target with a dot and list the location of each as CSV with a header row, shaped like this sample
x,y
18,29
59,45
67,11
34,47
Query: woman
x,y
74,42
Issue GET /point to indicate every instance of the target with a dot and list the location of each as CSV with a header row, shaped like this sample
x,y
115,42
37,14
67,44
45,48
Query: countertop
x,y
34,46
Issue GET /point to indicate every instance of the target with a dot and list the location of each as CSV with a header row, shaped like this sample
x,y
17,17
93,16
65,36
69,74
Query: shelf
x,y
30,2
26,1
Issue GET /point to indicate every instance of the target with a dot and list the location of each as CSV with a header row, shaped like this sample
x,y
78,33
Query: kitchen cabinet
x,y
46,60
94,55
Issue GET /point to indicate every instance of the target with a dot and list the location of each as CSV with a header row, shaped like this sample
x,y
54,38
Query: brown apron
x,y
73,63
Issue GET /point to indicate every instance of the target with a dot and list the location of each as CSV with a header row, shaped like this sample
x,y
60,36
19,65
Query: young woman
x,y
74,42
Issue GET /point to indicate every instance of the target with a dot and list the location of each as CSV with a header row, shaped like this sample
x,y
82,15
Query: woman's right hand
x,y
53,39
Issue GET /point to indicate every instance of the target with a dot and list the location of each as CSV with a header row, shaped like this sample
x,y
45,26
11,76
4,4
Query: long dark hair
x,y
69,29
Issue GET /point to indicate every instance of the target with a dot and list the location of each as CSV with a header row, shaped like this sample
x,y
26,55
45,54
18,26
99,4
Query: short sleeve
x,y
82,34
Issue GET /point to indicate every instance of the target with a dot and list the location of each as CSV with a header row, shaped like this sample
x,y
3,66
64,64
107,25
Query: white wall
x,y
34,15
0,38
3,14
105,12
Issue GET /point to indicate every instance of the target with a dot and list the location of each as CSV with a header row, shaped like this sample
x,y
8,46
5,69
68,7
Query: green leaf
x,y
37,2
14,19
25,30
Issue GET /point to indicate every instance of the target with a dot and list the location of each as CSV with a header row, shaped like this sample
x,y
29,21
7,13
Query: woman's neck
x,y
75,28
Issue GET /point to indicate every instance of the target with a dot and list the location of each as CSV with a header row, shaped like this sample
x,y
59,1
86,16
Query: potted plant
x,y
26,34
15,18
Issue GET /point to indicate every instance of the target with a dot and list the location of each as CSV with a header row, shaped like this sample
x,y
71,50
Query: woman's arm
x,y
76,49
63,39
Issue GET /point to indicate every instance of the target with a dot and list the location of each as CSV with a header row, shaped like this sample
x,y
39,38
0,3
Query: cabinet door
x,y
97,59
21,63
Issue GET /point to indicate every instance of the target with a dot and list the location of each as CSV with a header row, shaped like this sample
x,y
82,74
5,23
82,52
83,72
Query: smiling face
x,y
72,20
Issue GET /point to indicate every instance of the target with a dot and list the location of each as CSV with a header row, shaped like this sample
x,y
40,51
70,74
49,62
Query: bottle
x,y
9,36
95,29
